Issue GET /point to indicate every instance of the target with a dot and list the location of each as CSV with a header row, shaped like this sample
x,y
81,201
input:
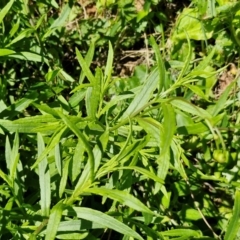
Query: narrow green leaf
x,y
93,96
64,103
44,179
181,232
13,172
76,225
32,237
196,89
88,60
177,156
52,143
114,101
163,161
234,224
40,20
121,196
104,138
105,220
64,177
29,56
65,76
123,152
54,220
80,135
187,61
151,233
59,22
221,103
34,124
143,171
190,108
169,126
76,98
152,127
97,153
18,106
3,106
166,137
12,156
195,128
83,183
6,178
5,10
72,236
160,64
14,28
85,68
24,34
51,75
58,159
142,98
46,109
81,86
78,157
108,69
8,154
4,52
203,64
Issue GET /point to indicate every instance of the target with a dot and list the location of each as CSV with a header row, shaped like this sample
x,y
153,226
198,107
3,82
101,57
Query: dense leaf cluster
x,y
91,153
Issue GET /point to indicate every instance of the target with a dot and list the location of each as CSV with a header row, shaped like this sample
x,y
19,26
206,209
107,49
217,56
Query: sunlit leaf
x,y
105,220
44,179
234,224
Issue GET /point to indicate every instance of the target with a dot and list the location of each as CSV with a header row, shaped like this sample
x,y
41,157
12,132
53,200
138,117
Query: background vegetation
x,y
119,119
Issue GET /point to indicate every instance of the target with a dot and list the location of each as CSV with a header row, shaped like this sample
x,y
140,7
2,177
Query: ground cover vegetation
x,y
119,119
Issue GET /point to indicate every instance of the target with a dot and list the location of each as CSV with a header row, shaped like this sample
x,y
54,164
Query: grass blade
x,y
44,179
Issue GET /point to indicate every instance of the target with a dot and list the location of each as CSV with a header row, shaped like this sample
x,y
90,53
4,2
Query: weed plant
x,y
88,153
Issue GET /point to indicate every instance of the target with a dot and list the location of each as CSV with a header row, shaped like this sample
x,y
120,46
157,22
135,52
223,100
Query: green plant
x,y
91,155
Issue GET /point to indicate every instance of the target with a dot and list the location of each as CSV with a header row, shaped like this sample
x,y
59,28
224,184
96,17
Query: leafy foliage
x,y
91,154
